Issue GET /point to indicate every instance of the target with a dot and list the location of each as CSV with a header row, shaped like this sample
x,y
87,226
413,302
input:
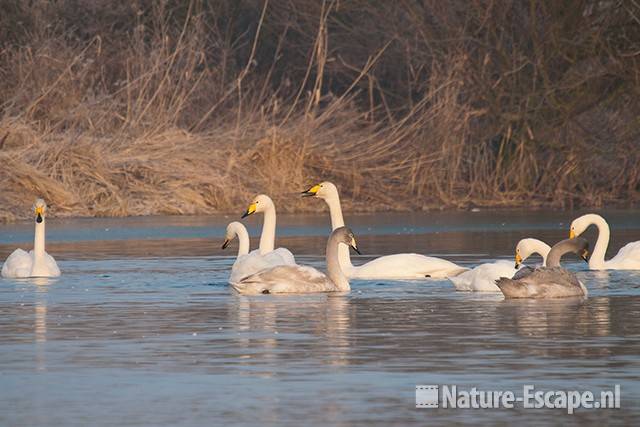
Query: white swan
x,y
280,256
483,277
398,266
552,281
37,262
247,263
286,279
628,257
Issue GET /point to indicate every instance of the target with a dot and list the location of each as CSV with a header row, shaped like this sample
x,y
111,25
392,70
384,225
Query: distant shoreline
x,y
6,219
196,107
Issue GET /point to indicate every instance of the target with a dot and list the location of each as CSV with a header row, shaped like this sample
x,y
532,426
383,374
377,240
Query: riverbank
x,y
155,109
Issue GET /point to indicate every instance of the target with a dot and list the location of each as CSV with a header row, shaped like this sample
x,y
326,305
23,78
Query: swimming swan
x,y
247,263
552,281
483,277
628,257
398,266
37,262
280,256
301,279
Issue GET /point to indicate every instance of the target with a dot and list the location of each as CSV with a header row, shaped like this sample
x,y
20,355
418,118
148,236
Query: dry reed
x,y
190,108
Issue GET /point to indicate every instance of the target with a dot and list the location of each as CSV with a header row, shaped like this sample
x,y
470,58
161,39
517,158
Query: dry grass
x,y
177,108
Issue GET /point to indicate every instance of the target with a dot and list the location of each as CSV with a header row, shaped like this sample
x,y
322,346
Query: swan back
x,y
482,278
302,279
548,282
285,279
543,282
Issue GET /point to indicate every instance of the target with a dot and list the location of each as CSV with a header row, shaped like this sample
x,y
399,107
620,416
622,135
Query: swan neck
x,y
558,251
543,250
243,240
600,249
553,260
268,236
38,241
334,271
335,210
337,221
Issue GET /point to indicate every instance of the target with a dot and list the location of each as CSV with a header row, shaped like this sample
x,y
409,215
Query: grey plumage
x,y
285,279
544,282
547,282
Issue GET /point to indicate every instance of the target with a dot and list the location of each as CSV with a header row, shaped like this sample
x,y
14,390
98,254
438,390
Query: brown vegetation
x,y
134,108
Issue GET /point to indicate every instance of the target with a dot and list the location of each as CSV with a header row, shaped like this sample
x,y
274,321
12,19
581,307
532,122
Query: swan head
x,y
524,249
580,224
231,233
39,207
323,190
260,203
346,236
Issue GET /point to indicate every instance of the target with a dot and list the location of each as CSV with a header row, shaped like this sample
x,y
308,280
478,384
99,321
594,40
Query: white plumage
x,y
483,277
398,266
627,258
37,262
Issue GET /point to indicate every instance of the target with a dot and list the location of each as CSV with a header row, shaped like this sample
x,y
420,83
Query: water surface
x,y
142,328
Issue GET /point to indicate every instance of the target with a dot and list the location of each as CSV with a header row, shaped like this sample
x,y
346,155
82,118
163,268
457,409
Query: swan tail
x,y
511,288
461,282
248,288
456,272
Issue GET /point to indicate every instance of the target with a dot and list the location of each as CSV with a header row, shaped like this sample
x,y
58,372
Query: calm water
x,y
142,329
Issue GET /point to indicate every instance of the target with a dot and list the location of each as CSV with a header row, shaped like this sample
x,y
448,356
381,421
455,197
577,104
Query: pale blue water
x,y
142,329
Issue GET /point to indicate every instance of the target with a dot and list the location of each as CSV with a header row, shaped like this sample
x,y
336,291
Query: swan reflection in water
x,y
569,319
40,327
268,328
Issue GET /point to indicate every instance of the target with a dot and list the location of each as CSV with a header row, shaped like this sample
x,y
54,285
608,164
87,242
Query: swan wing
x,y
281,256
523,272
246,265
406,266
253,262
483,277
627,258
543,282
52,265
285,279
18,264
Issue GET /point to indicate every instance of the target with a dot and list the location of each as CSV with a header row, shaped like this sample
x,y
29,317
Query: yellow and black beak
x,y
39,212
311,192
572,234
354,246
226,243
585,255
251,209
518,260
